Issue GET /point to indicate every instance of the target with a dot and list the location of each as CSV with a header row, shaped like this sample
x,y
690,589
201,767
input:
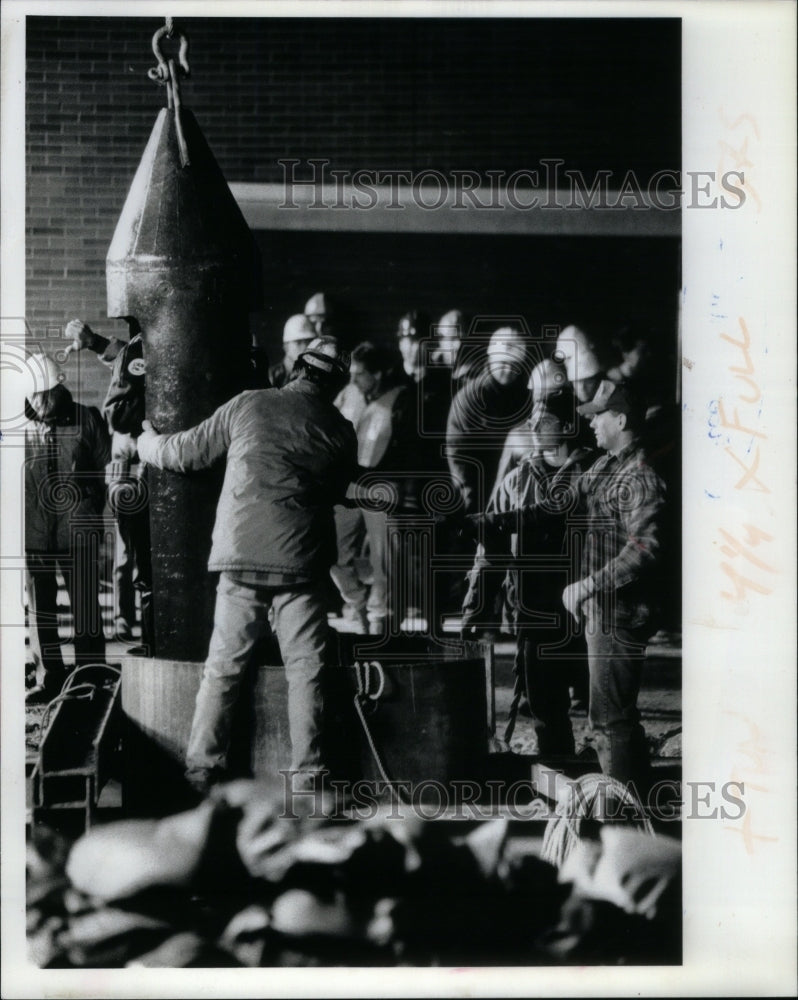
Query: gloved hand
x,y
80,334
147,441
147,429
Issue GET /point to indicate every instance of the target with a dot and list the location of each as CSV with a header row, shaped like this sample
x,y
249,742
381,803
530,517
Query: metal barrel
x,y
185,266
423,722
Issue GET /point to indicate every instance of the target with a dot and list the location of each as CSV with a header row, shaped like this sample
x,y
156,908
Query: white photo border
x,y
739,398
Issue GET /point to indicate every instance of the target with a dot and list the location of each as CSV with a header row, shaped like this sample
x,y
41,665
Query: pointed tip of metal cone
x,y
175,216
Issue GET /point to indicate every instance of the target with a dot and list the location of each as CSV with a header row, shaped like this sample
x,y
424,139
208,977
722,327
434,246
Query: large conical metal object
x,y
184,265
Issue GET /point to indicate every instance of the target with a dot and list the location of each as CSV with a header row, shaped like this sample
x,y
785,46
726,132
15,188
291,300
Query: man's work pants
x,y
615,661
240,618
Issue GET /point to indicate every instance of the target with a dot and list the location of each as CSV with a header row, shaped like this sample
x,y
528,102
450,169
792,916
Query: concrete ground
x,y
659,702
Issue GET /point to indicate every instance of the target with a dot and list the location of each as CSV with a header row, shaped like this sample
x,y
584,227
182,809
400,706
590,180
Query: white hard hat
x,y
509,343
317,305
547,377
577,353
298,327
43,373
450,325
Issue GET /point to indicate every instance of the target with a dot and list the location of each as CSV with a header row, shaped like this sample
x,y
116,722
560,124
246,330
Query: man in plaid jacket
x,y
621,580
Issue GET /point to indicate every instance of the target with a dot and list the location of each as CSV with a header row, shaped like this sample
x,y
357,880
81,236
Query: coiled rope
x,y
362,698
585,799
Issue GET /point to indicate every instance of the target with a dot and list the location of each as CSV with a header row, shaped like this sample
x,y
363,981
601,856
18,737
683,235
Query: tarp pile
x,y
236,882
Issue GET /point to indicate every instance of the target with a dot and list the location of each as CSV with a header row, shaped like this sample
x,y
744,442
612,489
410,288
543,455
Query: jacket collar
x,y
626,453
303,385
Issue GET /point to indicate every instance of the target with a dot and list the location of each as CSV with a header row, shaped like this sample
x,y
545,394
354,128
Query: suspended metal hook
x,y
161,71
168,72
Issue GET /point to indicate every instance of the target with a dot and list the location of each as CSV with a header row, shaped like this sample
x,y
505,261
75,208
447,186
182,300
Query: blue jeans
x,y
241,616
615,661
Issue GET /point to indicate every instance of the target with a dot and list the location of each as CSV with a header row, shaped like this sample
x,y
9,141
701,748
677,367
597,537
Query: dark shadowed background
x,y
364,94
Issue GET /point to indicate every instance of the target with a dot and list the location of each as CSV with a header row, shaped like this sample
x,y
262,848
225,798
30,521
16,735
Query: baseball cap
x,y
613,396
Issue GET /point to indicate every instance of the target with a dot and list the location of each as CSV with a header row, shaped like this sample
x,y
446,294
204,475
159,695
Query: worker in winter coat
x,y
66,449
127,480
483,412
528,521
290,457
426,365
547,381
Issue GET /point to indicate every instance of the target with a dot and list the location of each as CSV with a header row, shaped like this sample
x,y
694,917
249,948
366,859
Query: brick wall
x,y
361,93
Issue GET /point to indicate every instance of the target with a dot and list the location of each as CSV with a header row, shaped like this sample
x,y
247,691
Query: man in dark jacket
x,y
290,457
66,449
127,481
427,366
482,414
528,519
124,409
